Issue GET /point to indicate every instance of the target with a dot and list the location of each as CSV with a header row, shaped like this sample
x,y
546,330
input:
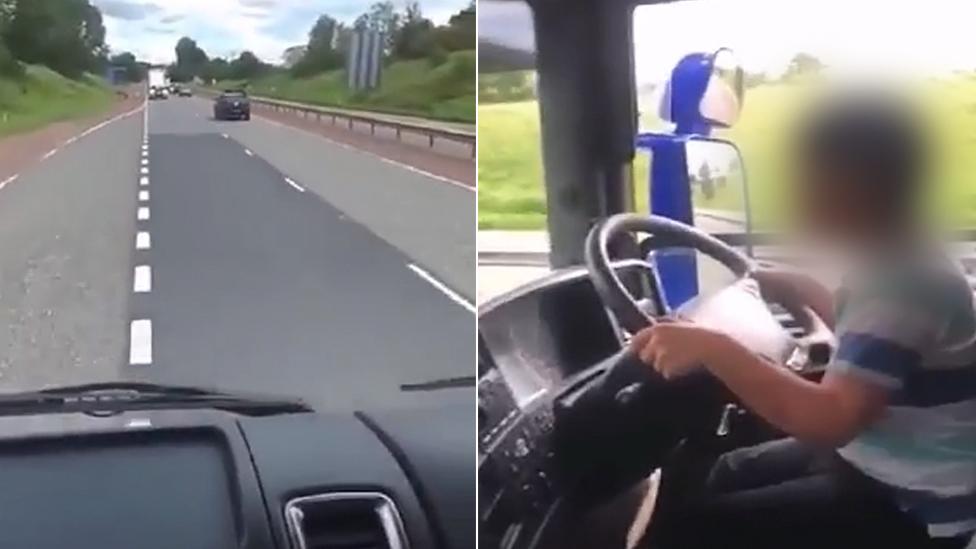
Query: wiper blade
x,y
116,397
445,383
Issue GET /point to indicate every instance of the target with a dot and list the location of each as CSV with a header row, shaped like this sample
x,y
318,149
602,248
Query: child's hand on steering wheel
x,y
675,347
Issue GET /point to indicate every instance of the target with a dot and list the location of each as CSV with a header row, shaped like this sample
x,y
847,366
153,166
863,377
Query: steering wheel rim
x,y
606,280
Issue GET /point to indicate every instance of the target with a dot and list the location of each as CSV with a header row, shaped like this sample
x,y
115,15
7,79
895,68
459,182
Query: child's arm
x,y
829,413
792,286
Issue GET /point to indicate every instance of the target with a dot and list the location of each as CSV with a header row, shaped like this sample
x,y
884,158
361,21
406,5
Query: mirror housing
x,y
705,91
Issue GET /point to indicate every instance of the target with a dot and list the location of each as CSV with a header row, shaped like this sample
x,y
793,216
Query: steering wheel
x,y
738,309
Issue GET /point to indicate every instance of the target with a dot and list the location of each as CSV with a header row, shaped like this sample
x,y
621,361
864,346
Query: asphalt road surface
x,y
173,248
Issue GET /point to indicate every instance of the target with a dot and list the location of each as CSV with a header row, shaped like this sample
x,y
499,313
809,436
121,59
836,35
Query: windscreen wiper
x,y
444,383
104,399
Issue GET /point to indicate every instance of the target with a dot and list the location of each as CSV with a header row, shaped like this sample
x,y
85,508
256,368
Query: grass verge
x,y
510,171
41,96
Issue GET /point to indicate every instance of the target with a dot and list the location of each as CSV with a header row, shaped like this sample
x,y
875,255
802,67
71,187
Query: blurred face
x,y
832,208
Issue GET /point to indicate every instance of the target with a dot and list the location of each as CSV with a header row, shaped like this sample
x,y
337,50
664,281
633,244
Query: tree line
x,y
408,35
66,35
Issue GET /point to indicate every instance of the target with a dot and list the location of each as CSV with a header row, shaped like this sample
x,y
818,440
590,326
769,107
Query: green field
x,y
42,96
510,174
444,91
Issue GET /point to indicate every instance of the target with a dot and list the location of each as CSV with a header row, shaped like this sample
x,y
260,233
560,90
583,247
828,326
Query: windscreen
x,y
264,197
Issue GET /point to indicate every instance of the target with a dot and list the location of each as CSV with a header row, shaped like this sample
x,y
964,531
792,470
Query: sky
x,y
151,28
930,36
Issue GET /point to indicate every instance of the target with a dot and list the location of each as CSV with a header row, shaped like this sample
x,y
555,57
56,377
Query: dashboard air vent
x,y
345,520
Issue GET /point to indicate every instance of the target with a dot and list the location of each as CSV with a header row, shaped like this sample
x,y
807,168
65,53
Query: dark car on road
x,y
232,105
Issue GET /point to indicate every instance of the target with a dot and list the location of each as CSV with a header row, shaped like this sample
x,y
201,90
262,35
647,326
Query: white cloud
x,y
227,27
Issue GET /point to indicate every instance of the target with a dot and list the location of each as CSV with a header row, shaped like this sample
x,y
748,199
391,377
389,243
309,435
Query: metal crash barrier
x,y
334,117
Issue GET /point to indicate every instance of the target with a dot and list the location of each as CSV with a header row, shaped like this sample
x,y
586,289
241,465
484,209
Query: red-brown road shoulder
x,y
20,151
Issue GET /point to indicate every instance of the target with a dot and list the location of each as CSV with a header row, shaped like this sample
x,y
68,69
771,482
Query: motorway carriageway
x,y
168,247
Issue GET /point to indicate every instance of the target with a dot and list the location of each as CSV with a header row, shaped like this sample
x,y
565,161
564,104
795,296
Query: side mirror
x,y
721,101
718,185
705,91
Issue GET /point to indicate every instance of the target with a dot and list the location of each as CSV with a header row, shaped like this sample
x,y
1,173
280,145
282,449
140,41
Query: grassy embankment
x,y
510,173
443,91
41,96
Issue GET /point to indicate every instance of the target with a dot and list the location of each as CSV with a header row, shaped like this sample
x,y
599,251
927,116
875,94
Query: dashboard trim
x,y
383,506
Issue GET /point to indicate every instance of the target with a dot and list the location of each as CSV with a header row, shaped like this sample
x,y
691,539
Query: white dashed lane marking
x,y
10,179
142,282
140,342
296,186
143,196
143,240
144,170
248,152
143,181
142,214
49,154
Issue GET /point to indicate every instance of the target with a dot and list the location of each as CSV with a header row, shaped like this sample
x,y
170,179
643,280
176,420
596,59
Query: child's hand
x,y
675,348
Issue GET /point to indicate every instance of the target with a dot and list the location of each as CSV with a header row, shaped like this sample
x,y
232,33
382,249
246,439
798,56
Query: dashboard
x,y
209,479
533,343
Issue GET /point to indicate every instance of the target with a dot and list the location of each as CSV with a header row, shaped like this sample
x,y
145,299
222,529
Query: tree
x,y
804,63
246,66
134,72
705,180
321,53
382,17
216,69
66,35
190,60
460,33
323,33
415,37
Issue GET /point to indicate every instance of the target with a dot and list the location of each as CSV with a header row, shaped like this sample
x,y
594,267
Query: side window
x,y
511,190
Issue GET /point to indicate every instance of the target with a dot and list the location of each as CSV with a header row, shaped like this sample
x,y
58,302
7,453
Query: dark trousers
x,y
782,495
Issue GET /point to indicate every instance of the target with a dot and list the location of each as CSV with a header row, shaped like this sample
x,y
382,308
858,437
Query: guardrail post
x,y
474,149
350,123
372,128
318,117
430,138
333,119
398,132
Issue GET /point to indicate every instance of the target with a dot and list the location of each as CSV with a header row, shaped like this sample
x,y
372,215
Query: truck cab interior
x,y
571,426
145,465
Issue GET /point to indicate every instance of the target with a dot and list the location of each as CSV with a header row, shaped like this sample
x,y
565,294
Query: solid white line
x,y
10,179
407,167
143,181
442,287
142,214
109,121
144,170
143,196
143,241
297,187
142,282
248,152
49,154
140,342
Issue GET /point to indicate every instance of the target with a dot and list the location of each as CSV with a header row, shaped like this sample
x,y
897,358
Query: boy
x,y
883,449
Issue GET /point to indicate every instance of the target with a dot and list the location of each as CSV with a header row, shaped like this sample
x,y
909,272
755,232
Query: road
x,y
238,255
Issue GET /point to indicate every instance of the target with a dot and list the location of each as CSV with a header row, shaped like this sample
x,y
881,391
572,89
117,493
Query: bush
x,y
8,65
